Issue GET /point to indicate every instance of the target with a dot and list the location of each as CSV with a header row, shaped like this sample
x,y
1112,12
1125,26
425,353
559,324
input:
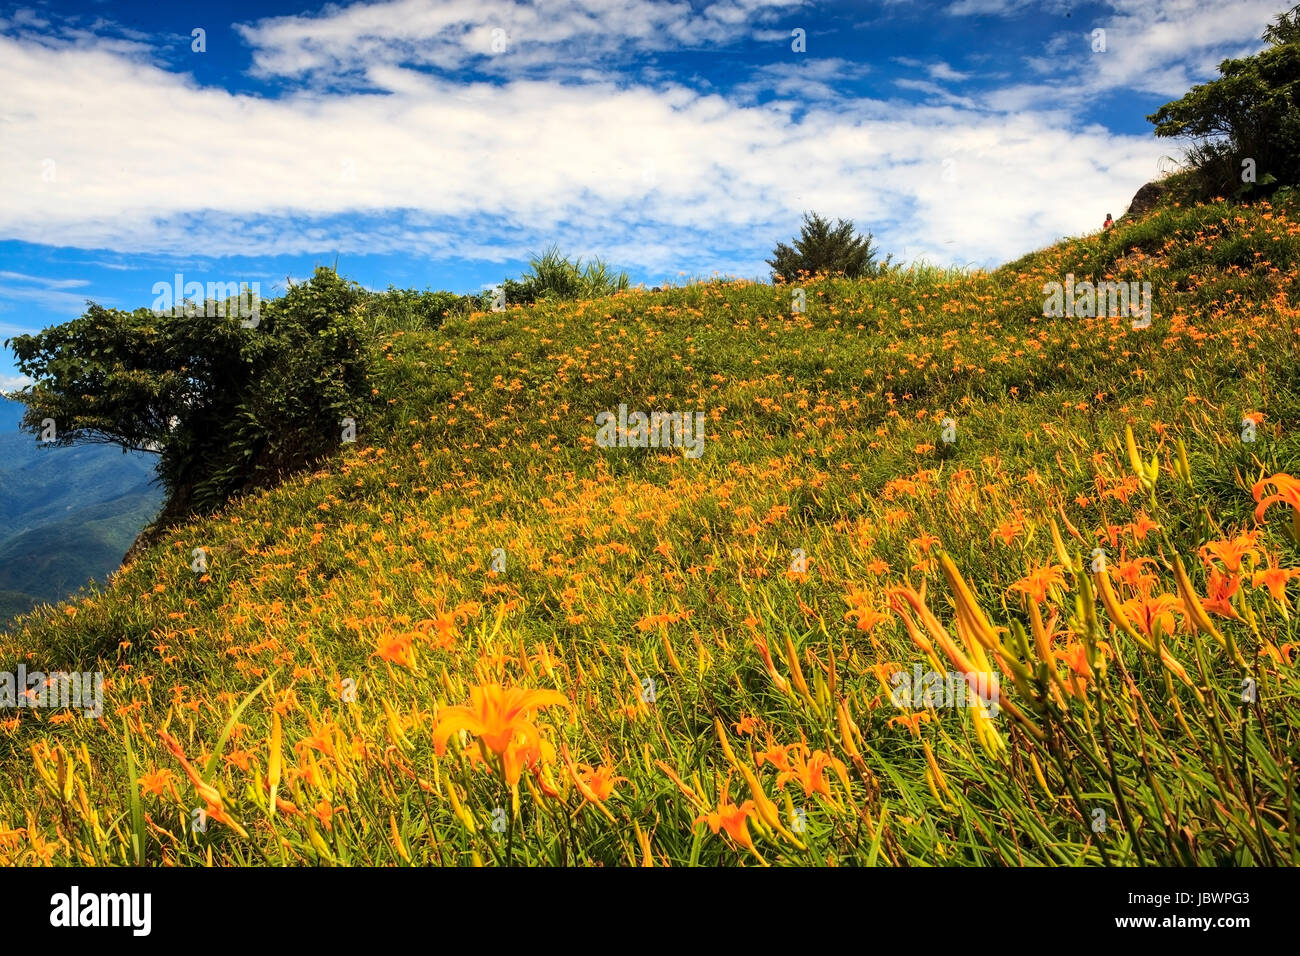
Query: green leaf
x,y
210,769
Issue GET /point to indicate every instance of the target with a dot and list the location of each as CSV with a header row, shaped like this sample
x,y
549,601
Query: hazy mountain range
x,y
67,515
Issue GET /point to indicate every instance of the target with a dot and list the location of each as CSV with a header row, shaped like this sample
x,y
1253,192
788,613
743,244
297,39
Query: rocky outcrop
x,y
138,547
1146,199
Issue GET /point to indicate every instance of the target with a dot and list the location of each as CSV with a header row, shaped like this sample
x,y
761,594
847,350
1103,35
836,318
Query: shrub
x,y
823,249
407,309
554,276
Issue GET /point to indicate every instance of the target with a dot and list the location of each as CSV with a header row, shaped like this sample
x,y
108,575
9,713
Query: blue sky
x,y
436,143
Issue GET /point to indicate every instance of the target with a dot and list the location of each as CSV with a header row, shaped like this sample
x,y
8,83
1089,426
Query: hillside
x,y
912,474
13,603
57,557
67,515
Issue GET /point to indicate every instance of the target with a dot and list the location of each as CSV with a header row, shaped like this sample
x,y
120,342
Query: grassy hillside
x,y
712,641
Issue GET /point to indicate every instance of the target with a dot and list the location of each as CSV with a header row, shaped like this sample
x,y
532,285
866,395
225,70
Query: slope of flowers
x,y
479,637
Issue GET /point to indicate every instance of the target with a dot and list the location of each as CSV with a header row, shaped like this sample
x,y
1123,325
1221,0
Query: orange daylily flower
x,y
1131,573
1275,579
746,725
1146,612
925,542
211,797
654,620
155,782
776,754
912,721
1288,492
860,610
1232,552
498,717
1142,526
596,784
324,812
1219,593
1040,581
396,650
441,630
810,771
734,819
1008,530
1081,674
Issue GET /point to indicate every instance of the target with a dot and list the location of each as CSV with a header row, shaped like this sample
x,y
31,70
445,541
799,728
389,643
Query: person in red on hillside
x,y
1108,223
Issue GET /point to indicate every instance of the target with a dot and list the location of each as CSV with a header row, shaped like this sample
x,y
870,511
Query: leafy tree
x,y
227,408
1251,113
822,248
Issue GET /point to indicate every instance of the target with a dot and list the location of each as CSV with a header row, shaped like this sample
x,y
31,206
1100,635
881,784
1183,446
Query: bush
x,y
825,250
228,409
554,276
407,309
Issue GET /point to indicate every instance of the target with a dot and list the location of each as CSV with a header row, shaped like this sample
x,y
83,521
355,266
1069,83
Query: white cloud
x,y
1004,8
658,175
942,71
806,79
44,281
500,37
936,91
45,292
668,174
11,383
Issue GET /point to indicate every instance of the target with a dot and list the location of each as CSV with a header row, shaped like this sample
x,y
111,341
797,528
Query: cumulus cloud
x,y
146,161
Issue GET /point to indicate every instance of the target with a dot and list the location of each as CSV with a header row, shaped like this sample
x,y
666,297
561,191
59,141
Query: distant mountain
x,y
67,515
12,603
10,414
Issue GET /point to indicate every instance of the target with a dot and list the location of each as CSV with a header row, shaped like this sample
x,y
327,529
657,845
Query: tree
x,y
1244,125
1284,29
823,249
227,408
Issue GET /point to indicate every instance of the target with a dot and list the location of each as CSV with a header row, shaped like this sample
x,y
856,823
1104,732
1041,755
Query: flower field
x,y
477,637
